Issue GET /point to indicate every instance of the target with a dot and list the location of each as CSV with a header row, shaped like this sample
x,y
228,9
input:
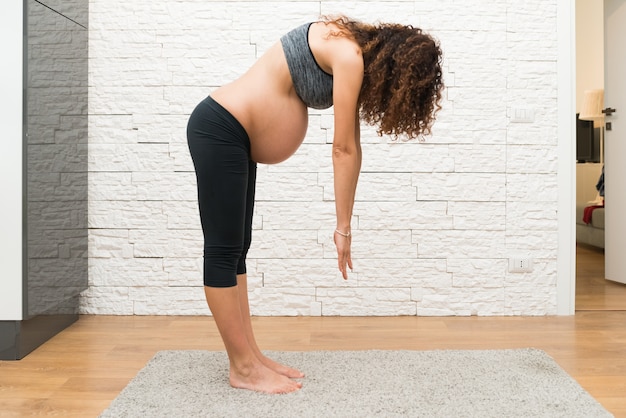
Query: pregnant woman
x,y
387,75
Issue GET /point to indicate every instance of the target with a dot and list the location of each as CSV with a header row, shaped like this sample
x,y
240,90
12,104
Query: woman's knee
x,y
221,266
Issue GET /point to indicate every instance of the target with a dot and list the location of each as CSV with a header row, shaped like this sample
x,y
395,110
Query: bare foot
x,y
262,379
280,368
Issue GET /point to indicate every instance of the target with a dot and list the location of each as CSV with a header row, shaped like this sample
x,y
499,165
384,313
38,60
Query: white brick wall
x,y
434,223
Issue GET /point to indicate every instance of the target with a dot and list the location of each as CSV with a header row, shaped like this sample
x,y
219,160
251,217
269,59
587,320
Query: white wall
x,y
589,47
11,162
434,223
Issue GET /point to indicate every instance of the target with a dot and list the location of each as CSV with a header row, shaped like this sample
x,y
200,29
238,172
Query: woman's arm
x,y
347,69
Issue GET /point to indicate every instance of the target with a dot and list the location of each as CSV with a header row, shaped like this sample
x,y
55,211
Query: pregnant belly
x,y
280,133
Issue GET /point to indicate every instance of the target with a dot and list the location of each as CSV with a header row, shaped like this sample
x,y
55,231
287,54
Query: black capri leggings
x,y
226,178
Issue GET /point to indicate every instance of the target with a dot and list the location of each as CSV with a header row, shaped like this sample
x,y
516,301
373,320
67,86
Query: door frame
x,y
566,176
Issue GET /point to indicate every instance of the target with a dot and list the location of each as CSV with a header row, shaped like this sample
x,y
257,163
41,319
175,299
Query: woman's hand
x,y
343,241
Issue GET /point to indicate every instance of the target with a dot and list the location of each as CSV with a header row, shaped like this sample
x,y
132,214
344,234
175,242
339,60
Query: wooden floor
x,y
81,370
593,291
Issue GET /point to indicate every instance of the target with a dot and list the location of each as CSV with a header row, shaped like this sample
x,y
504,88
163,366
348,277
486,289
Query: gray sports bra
x,y
313,85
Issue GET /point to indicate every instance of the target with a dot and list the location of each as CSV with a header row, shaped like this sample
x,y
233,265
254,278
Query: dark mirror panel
x,y
56,155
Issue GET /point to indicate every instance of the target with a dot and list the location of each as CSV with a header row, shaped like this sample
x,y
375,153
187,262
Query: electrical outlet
x,y
520,265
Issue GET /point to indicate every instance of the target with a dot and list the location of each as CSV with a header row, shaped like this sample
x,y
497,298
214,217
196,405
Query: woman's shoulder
x,y
332,47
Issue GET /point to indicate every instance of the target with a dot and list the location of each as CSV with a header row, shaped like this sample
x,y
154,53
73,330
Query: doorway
x,y
593,291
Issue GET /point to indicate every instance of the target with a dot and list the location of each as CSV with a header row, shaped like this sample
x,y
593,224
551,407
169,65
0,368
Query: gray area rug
x,y
447,383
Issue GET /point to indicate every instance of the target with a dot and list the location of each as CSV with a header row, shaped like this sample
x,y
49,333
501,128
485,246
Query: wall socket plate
x,y
520,265
522,115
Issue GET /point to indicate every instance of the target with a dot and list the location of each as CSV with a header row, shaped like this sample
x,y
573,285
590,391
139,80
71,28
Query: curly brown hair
x,y
402,80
